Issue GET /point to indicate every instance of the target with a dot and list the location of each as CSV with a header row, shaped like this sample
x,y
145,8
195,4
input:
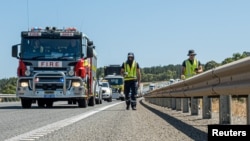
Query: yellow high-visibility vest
x,y
131,71
190,68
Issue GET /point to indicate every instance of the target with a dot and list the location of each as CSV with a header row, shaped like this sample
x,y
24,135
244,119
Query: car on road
x,y
106,91
117,84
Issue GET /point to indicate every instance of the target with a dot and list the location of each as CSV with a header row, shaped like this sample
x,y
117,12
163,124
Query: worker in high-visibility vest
x,y
191,66
132,77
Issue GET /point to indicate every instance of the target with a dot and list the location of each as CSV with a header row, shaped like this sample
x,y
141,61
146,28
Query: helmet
x,y
130,54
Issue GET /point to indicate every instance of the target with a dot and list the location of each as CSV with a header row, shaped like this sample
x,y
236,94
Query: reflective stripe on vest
x,y
190,68
131,71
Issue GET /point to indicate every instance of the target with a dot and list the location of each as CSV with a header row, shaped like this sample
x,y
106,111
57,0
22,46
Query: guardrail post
x,y
225,109
185,105
169,102
194,106
153,101
178,104
165,102
162,102
206,107
173,104
248,109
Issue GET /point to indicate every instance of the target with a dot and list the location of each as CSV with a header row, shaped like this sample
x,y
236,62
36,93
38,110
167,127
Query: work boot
x,y
127,107
133,107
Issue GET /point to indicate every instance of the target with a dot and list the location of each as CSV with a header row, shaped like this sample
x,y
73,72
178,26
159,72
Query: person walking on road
x,y
132,77
191,66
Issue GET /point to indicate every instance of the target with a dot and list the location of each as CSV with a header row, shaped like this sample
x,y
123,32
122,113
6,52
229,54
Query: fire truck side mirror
x,y
15,51
89,52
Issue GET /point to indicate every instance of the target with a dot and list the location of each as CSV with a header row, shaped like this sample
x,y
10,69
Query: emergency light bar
x,y
38,32
34,34
66,34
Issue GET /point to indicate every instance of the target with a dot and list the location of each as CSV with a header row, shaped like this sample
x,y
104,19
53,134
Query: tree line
x,y
149,74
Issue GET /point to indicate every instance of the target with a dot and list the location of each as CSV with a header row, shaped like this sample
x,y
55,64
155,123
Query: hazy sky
x,y
159,32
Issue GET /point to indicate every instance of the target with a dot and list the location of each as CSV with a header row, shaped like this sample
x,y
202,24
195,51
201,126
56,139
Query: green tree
x,y
8,86
210,65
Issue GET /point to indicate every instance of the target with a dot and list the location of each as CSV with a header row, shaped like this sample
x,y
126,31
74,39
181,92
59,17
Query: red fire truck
x,y
56,65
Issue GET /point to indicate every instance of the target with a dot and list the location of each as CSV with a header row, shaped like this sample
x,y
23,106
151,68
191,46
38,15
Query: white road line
x,y
43,131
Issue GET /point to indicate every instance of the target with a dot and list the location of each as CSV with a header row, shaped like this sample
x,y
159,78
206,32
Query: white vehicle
x,y
151,86
106,91
98,99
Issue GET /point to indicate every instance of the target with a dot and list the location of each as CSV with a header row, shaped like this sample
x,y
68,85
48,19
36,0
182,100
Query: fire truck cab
x,y
56,65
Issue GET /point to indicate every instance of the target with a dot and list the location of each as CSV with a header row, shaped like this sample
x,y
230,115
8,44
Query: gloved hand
x,y
183,77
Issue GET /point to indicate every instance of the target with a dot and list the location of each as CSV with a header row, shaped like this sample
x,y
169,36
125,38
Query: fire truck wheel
x,y
49,104
70,102
26,103
92,101
82,103
41,103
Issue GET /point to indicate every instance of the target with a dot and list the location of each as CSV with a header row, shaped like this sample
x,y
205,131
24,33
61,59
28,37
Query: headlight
x,y
24,84
76,84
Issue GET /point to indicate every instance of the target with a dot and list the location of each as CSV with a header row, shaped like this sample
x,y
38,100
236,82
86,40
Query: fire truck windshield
x,y
40,48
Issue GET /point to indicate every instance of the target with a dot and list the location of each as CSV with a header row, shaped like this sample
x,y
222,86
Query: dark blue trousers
x,y
130,91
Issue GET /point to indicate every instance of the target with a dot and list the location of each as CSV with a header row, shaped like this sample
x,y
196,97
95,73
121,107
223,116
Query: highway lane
x,y
15,121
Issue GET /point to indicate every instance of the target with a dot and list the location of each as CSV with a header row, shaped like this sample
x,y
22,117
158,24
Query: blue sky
x,y
159,32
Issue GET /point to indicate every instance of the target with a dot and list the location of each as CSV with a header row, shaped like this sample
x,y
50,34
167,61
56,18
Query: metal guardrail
x,y
229,79
8,96
232,79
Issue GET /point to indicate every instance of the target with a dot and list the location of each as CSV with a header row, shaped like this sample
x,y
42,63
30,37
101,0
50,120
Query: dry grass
x,y
238,107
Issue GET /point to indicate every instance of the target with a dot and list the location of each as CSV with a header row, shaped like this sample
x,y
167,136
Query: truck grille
x,y
49,84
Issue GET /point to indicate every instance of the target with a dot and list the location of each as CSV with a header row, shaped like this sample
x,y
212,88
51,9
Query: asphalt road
x,y
106,122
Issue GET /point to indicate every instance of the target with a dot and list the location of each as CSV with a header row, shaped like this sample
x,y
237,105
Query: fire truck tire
x,y
26,103
91,101
41,103
70,102
49,104
82,103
